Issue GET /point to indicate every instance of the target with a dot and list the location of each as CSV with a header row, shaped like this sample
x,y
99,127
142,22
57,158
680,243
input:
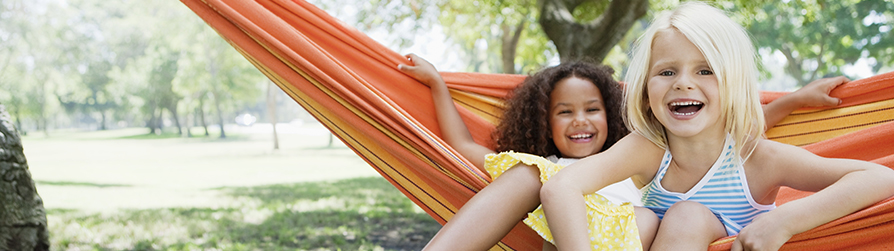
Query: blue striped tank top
x,y
723,189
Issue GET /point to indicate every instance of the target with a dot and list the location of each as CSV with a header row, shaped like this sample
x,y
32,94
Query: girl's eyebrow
x,y
595,100
661,64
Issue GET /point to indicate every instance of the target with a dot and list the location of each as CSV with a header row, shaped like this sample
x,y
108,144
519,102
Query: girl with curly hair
x,y
554,117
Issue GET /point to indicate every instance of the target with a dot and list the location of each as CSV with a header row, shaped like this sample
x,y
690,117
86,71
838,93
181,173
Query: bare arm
x,y
843,186
562,196
452,126
814,94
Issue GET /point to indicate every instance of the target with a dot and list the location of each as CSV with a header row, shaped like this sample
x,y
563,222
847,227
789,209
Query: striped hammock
x,y
350,83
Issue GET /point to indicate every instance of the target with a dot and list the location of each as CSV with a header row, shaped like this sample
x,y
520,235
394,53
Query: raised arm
x,y
814,94
842,186
452,126
562,196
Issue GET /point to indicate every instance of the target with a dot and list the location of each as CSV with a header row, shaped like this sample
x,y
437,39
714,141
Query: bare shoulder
x,y
640,155
768,154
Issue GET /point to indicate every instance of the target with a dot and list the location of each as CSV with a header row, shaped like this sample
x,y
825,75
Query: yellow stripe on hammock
x,y
805,127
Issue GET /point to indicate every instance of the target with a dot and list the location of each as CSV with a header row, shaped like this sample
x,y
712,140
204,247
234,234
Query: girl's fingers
x,y
410,56
737,246
405,68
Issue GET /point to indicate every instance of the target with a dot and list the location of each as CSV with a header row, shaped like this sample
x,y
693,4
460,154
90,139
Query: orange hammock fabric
x,y
350,83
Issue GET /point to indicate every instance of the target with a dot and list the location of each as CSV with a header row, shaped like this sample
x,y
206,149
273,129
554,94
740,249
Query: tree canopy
x,y
100,64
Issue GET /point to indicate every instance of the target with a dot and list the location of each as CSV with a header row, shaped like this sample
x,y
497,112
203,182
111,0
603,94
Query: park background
x,y
144,130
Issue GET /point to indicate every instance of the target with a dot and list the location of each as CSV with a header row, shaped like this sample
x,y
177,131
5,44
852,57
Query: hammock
x,y
350,83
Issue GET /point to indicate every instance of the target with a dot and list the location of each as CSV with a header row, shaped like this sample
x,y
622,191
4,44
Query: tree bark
x,y
271,109
510,46
172,108
152,119
593,39
201,112
102,122
190,122
220,119
23,220
161,121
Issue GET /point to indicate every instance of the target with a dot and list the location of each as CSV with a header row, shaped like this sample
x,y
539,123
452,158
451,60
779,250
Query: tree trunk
x,y
102,122
271,109
510,45
160,122
173,109
23,220
152,120
594,39
190,122
200,111
19,122
219,114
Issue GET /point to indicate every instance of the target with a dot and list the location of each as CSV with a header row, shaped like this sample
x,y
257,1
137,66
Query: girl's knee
x,y
647,224
688,210
692,216
521,178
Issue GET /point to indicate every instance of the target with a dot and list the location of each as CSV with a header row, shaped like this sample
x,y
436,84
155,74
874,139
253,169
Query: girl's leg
x,y
688,226
647,224
491,213
547,246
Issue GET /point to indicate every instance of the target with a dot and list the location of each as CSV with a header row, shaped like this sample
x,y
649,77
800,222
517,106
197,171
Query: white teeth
x,y
685,103
684,113
581,136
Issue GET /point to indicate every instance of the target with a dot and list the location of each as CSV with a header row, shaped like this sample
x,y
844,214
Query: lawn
x,y
125,190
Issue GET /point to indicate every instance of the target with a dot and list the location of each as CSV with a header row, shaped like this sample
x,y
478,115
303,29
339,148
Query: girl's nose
x,y
680,85
684,82
579,120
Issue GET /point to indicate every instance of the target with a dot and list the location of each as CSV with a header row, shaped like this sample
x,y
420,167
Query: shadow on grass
x,y
171,135
354,214
164,135
80,184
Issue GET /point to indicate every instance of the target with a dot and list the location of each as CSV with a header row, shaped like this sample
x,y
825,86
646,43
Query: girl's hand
x,y
421,70
764,233
816,93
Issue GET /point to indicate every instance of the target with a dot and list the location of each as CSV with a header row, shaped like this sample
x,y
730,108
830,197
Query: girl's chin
x,y
579,154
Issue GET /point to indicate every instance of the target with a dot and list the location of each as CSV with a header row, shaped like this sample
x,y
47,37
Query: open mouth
x,y
685,108
581,136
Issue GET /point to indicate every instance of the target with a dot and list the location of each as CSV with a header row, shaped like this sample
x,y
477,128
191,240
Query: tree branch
x,y
510,45
594,39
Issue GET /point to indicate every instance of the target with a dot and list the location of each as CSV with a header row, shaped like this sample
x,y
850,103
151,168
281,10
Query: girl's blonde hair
x,y
730,54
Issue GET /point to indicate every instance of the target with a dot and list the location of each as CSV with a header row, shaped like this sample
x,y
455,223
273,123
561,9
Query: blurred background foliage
x,y
92,64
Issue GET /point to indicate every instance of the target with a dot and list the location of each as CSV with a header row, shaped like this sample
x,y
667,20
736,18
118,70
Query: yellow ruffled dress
x,y
612,226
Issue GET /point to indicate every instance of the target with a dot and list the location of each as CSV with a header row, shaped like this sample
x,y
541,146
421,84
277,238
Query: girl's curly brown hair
x,y
524,126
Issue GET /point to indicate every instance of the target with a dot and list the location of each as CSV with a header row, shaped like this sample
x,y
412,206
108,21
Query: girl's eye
x,y
705,72
594,110
564,112
666,73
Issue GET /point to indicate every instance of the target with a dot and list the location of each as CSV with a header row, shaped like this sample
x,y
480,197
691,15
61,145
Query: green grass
x,y
353,214
127,190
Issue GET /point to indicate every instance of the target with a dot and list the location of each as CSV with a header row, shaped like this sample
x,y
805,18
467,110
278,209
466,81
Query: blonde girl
x,y
697,144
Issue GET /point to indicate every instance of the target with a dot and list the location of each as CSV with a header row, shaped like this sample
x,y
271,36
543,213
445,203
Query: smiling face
x,y
577,118
683,92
